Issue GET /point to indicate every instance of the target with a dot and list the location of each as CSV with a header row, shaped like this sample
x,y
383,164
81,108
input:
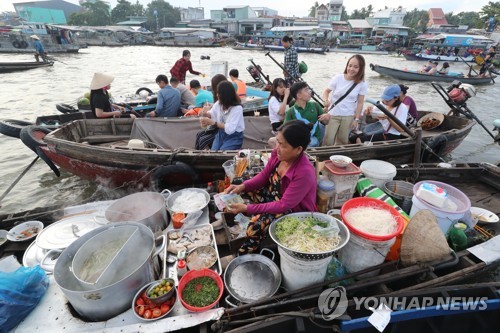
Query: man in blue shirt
x,y
168,99
39,50
202,96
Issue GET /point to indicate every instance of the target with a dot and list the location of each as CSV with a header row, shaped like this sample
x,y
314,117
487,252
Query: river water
x,y
26,95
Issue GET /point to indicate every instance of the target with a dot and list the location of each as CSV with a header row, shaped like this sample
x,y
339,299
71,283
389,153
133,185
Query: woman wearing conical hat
x,y
99,98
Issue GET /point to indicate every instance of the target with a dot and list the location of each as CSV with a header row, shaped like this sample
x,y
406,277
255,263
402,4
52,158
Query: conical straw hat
x,y
35,37
422,240
100,80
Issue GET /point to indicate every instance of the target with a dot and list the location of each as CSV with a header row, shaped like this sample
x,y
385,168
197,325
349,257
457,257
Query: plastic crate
x,y
345,180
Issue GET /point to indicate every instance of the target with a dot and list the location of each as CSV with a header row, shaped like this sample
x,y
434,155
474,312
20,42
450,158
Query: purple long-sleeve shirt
x,y
298,187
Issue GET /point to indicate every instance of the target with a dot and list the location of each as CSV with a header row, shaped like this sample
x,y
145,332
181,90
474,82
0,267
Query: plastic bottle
x,y
457,236
181,267
210,187
326,189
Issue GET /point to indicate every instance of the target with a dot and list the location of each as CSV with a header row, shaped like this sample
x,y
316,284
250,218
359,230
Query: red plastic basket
x,y
376,203
196,274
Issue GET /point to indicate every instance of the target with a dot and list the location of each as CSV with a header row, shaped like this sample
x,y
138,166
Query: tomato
x,y
144,297
171,301
140,310
156,312
147,314
165,307
139,301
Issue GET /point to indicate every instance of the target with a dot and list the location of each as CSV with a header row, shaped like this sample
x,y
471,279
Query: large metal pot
x,y
147,208
106,302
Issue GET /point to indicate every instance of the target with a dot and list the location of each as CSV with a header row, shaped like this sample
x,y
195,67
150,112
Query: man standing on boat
x,y
182,66
39,49
169,99
291,64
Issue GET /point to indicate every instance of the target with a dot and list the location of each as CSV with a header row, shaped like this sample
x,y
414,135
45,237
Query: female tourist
x,y
227,116
344,98
99,98
287,184
279,98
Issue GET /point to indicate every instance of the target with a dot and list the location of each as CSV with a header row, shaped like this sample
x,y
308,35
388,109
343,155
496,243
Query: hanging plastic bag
x,y
328,229
20,292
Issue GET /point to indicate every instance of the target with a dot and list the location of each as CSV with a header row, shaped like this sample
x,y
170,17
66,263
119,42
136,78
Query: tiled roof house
x,y
436,17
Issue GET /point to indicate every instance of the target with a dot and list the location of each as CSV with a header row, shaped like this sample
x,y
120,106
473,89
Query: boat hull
x,y
8,67
414,76
435,57
113,165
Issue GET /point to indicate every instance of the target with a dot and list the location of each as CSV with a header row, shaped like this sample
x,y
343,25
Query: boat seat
x,y
96,139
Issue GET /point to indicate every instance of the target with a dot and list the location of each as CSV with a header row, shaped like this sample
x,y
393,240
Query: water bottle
x,y
457,237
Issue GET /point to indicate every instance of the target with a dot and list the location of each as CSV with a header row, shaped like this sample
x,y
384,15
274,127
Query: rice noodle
x,y
372,220
189,201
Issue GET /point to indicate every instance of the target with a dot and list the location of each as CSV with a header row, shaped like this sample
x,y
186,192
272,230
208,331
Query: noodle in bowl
x,y
188,200
313,252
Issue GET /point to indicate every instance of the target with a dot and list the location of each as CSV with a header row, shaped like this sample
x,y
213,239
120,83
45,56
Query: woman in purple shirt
x,y
412,117
287,184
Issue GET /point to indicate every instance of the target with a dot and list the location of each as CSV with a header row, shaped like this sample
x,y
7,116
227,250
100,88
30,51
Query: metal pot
x,y
171,199
252,277
106,302
147,208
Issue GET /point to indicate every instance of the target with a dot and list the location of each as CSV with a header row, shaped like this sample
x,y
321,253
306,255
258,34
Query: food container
x,y
201,257
136,308
325,193
177,220
379,172
340,161
160,299
197,274
345,180
179,194
25,231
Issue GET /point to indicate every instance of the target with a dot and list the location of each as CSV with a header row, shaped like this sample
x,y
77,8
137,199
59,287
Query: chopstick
x,y
483,231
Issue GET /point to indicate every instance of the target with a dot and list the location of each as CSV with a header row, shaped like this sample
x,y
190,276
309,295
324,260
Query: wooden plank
x,y
95,139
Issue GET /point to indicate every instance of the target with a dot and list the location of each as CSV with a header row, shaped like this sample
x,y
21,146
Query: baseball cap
x,y
390,92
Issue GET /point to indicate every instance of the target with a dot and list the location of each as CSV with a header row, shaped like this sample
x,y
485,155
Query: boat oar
x,y
21,175
54,59
258,68
392,117
314,96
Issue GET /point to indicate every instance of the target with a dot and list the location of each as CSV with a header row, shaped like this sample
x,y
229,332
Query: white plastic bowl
x,y
340,161
3,236
25,231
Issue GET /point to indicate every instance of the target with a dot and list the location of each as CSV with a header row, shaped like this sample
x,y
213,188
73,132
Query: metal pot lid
x,y
62,233
32,255
252,277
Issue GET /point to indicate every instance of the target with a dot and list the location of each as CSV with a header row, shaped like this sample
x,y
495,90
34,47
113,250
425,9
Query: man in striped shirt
x,y
291,61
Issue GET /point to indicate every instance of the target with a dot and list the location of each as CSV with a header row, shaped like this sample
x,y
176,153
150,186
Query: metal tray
x,y
172,268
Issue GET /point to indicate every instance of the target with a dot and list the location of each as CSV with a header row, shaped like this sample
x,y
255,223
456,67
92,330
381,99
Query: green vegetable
x,y
200,292
289,226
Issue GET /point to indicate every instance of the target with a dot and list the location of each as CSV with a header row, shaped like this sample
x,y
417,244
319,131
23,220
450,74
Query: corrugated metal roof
x,y
363,24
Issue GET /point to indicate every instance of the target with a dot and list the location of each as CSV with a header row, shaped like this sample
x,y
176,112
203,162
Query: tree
x,y
489,10
312,10
138,9
416,20
121,11
166,15
97,13
470,19
344,16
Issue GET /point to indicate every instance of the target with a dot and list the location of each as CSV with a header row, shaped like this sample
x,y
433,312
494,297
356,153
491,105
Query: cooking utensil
x,y
103,303
172,198
163,298
343,233
483,215
252,277
147,208
201,257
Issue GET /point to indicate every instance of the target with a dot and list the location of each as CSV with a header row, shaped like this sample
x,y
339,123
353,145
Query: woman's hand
x,y
327,105
237,208
325,117
368,109
117,113
287,93
236,189
204,121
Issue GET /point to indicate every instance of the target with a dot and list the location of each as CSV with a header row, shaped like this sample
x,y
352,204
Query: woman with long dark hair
x,y
227,116
287,184
279,98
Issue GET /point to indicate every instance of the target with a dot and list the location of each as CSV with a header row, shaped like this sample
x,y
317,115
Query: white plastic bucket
x,y
444,216
360,253
299,273
379,172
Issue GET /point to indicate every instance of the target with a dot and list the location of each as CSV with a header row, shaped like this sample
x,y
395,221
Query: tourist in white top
x,y
227,115
278,102
344,116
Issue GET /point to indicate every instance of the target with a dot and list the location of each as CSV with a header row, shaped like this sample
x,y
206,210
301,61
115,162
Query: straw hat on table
x,y
100,80
423,241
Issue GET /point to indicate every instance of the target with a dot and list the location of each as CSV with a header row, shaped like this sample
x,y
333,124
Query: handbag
x,y
373,129
343,96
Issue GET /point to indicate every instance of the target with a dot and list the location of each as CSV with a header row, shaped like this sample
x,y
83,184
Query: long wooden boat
x,y
415,76
298,310
435,57
7,67
96,149
300,49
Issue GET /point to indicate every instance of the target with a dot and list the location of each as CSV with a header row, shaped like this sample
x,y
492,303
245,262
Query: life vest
x,y
241,88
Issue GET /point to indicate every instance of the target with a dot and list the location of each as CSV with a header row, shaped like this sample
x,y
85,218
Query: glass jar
x,y
325,193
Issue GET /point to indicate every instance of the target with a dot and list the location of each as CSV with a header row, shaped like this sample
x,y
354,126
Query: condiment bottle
x,y
210,187
326,189
457,236
181,267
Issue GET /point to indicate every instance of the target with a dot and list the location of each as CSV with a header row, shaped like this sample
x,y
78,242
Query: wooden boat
x,y
7,67
415,76
299,309
435,57
300,49
96,149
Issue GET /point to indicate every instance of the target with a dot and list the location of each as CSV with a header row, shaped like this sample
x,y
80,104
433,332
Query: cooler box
x,y
345,180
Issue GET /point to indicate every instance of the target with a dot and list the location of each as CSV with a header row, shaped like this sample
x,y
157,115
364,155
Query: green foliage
x,y
95,14
312,10
167,16
344,16
362,13
138,9
121,11
416,20
471,19
491,9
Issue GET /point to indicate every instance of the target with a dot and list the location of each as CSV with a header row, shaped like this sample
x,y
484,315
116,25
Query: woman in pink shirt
x,y
287,184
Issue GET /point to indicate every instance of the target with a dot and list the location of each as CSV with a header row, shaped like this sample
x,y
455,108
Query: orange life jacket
x,y
241,88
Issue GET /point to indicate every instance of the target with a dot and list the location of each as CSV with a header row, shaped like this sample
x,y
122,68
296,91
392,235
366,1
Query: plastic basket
x,y
376,203
196,274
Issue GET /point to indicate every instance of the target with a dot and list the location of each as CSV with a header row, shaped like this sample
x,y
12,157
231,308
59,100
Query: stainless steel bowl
x,y
343,233
163,298
171,199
